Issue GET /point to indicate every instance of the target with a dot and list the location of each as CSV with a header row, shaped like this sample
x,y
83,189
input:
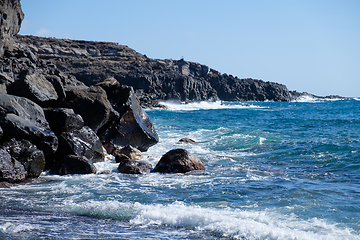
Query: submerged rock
x,y
178,161
129,151
130,166
187,140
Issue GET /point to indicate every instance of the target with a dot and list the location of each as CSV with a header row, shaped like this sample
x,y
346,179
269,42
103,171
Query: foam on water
x,y
205,105
234,223
312,99
16,227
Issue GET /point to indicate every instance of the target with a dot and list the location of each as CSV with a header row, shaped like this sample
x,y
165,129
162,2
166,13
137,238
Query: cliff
x,y
11,17
91,62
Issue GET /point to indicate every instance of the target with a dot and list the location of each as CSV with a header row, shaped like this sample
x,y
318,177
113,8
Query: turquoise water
x,y
274,171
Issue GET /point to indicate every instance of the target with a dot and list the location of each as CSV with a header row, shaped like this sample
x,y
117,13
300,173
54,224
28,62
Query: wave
x,y
312,98
206,105
230,223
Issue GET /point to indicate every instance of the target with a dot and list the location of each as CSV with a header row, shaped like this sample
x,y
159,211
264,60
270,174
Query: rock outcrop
x,y
11,17
152,79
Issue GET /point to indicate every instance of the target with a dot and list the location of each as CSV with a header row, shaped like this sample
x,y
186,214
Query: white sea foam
x,y
306,98
238,223
205,105
233,223
15,227
311,99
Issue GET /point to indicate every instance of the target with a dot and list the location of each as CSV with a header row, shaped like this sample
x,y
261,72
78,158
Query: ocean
x,y
274,170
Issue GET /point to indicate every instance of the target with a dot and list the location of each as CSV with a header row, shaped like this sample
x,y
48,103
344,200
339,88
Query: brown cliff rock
x,y
11,17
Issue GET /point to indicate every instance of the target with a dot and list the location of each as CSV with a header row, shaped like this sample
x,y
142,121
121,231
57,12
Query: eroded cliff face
x,y
92,62
11,17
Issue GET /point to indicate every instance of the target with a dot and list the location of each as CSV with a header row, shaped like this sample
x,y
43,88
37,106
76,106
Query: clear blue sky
x,y
308,45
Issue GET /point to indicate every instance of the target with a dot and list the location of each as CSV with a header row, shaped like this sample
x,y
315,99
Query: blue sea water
x,y
274,170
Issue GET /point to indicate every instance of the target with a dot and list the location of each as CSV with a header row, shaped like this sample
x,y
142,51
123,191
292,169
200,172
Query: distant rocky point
x,y
152,79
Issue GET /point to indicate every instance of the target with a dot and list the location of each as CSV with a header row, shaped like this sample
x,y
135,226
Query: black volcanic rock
x,y
178,161
11,170
63,120
81,142
28,155
134,126
92,62
36,88
22,118
230,88
128,151
73,164
92,104
130,166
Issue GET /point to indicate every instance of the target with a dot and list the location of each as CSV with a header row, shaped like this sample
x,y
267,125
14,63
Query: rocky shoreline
x,y
152,79
64,103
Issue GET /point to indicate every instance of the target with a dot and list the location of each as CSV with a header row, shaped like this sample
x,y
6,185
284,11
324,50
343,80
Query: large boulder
x,y
10,169
81,142
28,155
92,104
23,108
22,118
134,126
73,164
178,161
11,17
36,88
63,120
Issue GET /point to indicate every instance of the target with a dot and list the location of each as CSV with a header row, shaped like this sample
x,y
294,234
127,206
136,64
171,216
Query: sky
x,y
308,45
